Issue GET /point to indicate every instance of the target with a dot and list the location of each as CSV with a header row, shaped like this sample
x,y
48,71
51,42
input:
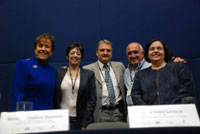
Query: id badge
x,y
104,89
72,103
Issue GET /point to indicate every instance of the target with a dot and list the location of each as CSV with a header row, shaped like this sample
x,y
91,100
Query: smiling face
x,y
43,49
156,52
104,53
134,53
74,56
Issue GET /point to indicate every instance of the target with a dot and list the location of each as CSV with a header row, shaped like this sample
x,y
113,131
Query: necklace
x,y
73,82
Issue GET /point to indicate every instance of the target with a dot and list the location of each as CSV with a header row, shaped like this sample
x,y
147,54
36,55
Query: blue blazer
x,y
86,99
33,82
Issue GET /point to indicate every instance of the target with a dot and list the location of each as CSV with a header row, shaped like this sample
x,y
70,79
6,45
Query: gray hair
x,y
105,42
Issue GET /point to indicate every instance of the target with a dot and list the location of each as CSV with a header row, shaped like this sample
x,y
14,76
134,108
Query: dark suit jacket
x,y
86,99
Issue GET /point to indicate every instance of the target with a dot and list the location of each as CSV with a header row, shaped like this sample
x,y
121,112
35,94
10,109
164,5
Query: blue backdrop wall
x,y
176,22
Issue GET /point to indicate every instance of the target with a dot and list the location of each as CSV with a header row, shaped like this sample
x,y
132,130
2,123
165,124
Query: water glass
x,y
24,106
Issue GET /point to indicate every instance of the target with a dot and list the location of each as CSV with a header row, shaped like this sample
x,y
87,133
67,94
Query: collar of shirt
x,y
39,62
101,65
140,64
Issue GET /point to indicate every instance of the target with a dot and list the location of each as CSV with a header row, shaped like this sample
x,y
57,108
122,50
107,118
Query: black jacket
x,y
86,98
172,84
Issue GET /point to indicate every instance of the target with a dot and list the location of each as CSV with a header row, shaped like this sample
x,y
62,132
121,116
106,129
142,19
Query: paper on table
x,y
163,116
35,121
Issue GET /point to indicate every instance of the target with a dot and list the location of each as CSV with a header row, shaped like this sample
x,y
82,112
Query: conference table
x,y
163,130
51,119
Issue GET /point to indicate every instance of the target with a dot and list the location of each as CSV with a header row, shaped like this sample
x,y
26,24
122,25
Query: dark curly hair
x,y
73,45
168,54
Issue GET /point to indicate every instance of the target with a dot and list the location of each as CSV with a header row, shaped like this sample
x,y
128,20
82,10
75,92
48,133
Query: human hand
x,y
83,128
179,59
63,67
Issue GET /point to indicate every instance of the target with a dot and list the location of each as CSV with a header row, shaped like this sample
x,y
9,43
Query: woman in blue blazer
x,y
75,89
34,79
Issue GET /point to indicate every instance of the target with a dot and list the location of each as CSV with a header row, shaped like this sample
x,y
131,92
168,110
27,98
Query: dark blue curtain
x,y
176,22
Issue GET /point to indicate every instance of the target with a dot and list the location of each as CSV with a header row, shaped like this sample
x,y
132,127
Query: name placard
x,y
35,121
163,116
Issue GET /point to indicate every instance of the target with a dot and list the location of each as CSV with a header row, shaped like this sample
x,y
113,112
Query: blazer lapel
x,y
82,81
96,71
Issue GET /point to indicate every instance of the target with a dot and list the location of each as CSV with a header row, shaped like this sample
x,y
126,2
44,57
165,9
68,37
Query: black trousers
x,y
74,125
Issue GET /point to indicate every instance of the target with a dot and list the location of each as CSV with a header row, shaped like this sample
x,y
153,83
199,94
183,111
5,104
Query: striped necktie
x,y
109,84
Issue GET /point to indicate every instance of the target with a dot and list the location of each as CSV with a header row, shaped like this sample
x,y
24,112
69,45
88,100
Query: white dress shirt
x,y
105,97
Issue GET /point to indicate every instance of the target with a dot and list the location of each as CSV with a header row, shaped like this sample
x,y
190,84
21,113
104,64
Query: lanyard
x,y
131,76
140,65
73,83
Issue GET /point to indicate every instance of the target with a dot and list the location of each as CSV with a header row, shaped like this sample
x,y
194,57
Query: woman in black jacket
x,y
75,89
165,82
